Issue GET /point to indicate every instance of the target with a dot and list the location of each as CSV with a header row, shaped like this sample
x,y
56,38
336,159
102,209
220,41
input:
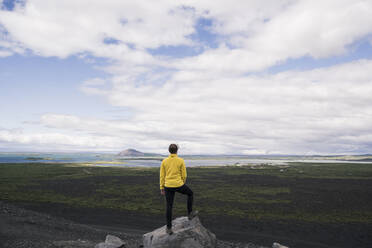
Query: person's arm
x,y
183,172
162,177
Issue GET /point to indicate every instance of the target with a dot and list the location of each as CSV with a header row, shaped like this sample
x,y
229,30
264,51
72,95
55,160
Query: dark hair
x,y
173,148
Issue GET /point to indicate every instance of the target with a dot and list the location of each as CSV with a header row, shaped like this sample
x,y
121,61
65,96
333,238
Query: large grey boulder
x,y
186,234
111,242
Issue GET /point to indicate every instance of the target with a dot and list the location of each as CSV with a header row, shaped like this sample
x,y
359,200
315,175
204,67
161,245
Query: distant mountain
x,y
131,152
134,153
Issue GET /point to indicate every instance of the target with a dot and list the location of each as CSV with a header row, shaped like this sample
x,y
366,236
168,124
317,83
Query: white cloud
x,y
263,32
314,28
207,101
289,29
61,28
290,111
57,140
5,53
7,45
318,111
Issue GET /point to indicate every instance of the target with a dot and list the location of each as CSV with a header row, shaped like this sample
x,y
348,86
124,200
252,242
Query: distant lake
x,y
105,159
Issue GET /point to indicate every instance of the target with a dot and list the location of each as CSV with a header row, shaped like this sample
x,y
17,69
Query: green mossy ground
x,y
307,192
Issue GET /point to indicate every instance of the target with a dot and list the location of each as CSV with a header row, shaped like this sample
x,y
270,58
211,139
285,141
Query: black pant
x,y
169,195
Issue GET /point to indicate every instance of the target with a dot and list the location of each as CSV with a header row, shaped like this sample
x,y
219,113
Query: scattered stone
x,y
186,234
227,244
114,240
111,242
277,245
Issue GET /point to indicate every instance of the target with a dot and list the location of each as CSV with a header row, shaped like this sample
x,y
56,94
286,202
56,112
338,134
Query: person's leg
x,y
169,196
190,196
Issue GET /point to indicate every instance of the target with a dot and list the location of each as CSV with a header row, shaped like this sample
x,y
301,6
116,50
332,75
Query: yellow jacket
x,y
172,172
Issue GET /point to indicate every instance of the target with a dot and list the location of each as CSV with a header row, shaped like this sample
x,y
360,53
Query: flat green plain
x,y
228,190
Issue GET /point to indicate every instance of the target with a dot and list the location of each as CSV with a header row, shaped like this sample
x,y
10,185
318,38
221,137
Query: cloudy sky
x,y
214,76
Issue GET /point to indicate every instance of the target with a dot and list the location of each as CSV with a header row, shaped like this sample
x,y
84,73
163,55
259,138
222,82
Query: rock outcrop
x,y
186,234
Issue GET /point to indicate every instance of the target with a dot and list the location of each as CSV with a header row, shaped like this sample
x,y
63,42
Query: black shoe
x,y
169,231
193,214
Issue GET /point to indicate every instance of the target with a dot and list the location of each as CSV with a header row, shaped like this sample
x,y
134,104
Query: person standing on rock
x,y
172,179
